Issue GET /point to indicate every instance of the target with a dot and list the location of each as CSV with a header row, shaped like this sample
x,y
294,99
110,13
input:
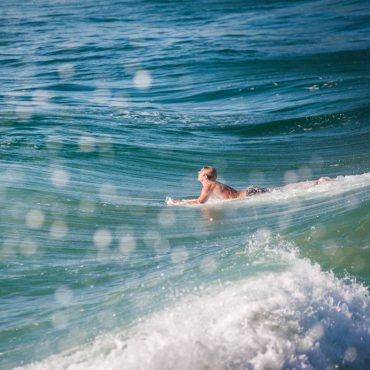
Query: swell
x,y
314,306
228,243
267,96
193,72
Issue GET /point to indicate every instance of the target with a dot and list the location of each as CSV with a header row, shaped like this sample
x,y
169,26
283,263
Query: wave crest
x,y
301,318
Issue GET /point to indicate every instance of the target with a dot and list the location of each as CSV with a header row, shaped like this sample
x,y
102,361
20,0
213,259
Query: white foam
x,y
301,318
300,190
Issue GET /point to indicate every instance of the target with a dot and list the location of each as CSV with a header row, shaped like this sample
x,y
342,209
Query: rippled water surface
x,y
109,107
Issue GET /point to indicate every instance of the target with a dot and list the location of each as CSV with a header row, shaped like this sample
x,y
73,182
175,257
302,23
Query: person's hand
x,y
171,202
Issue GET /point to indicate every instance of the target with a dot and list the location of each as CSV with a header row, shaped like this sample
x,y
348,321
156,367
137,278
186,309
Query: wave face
x,y
107,108
292,317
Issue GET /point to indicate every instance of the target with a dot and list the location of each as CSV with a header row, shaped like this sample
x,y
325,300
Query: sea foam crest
x,y
301,318
337,186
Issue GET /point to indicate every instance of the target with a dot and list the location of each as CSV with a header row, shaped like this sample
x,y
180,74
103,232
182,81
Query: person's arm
x,y
203,197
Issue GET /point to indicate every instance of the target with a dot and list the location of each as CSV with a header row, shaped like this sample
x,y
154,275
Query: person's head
x,y
208,172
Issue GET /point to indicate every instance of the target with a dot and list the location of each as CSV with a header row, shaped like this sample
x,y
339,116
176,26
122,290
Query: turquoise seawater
x,y
107,108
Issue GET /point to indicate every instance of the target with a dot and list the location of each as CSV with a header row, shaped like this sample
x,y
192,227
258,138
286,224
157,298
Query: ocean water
x,y
107,108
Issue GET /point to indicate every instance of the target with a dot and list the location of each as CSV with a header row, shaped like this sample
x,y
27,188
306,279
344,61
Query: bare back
x,y
222,191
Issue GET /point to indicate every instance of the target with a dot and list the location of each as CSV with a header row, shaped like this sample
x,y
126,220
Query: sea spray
x,y
298,318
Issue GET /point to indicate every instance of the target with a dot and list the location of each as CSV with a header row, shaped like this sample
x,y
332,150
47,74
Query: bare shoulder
x,y
209,187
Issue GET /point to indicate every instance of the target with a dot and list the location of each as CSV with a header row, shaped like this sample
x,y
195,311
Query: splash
x,y
297,190
300,318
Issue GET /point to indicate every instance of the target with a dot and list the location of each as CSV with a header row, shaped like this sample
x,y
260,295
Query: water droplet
x,y
86,143
142,80
63,296
28,247
66,71
108,193
179,255
87,206
350,355
166,218
290,177
59,178
58,230
127,244
102,238
208,265
35,219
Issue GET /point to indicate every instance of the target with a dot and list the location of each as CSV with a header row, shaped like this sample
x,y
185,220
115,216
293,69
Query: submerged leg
x,y
323,180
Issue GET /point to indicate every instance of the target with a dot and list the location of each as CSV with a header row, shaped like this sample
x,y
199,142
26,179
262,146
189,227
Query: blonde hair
x,y
210,172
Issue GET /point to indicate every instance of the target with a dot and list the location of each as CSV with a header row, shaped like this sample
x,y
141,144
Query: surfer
x,y
211,188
